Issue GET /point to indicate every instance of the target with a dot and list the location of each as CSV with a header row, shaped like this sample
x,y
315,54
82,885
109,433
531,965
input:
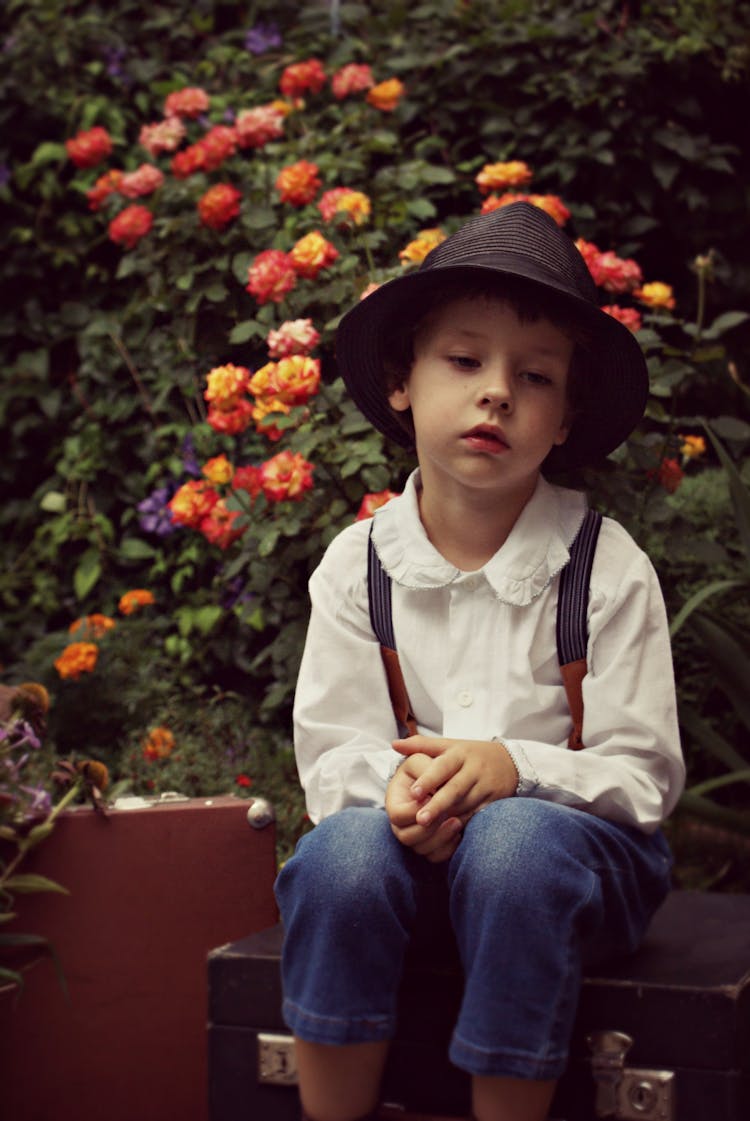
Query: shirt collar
x,y
534,552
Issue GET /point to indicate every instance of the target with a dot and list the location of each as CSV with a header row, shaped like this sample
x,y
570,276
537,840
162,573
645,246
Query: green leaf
x,y
704,808
48,152
721,781
246,330
739,492
53,502
728,320
205,618
697,599
267,543
27,883
87,573
731,662
132,548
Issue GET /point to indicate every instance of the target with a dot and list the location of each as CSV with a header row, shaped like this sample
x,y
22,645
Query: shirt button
x,y
465,699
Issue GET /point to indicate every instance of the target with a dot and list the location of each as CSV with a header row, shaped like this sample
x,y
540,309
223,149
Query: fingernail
x,y
417,790
423,817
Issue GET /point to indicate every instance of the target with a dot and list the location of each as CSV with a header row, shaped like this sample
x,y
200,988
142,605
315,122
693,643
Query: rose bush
x,y
252,183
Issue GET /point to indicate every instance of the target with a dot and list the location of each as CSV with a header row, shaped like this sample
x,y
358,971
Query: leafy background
x,y
634,114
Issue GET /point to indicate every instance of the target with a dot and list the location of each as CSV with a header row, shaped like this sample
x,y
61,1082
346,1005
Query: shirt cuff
x,y
528,779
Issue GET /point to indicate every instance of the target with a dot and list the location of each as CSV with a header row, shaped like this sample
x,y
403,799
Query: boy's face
x,y
488,397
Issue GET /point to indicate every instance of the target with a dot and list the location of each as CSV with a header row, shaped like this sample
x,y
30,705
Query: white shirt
x,y
479,660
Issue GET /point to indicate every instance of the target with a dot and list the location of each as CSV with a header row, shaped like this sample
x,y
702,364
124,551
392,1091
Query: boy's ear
x,y
398,399
564,430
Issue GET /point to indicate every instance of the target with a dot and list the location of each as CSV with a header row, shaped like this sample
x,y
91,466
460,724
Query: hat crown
x,y
521,239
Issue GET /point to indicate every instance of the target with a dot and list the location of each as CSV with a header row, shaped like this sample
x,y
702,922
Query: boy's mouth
x,y
486,437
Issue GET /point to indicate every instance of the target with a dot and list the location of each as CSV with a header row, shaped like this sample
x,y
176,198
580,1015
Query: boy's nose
x,y
497,393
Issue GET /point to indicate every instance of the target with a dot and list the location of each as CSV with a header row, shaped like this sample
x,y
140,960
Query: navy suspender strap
x,y
571,625
381,618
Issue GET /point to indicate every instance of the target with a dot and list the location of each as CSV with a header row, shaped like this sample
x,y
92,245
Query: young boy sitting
x,y
494,361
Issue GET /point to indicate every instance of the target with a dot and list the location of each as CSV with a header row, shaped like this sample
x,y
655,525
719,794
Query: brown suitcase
x,y
152,890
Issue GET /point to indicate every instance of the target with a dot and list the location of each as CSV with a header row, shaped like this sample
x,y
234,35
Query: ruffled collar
x,y
534,552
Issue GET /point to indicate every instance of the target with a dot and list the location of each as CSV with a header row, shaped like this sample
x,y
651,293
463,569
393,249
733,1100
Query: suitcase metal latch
x,y
277,1061
626,1093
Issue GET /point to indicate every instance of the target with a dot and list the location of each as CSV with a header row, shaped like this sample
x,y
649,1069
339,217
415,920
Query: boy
x,y
494,360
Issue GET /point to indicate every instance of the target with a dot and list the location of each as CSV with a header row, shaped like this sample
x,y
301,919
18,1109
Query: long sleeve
x,y
631,769
343,719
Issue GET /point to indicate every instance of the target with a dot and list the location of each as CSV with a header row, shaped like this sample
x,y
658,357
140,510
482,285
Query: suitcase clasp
x,y
626,1093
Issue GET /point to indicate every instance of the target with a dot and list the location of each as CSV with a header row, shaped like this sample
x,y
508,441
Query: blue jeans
x,y
535,893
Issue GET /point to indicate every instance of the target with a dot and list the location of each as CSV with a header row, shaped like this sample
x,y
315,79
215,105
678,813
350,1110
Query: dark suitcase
x,y
661,1036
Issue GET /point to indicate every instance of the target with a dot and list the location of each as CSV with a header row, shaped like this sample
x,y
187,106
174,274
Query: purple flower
x,y
38,804
262,38
154,514
4,175
190,464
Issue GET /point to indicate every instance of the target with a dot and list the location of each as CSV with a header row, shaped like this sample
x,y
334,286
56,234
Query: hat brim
x,y
614,400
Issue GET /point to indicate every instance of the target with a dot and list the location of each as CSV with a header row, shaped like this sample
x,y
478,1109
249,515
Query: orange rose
x,y
416,251
497,176
655,295
311,254
77,658
298,183
386,95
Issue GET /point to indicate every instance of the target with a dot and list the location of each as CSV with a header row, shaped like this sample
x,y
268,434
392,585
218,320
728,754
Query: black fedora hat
x,y
516,241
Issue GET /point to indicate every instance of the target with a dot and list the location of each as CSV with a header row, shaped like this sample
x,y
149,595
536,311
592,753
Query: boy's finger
x,y
450,798
435,776
428,745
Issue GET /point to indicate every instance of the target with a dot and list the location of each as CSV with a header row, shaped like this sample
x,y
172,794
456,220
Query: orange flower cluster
x,y
134,600
255,127
159,744
386,95
188,102
106,185
130,225
551,204
92,626
219,206
302,76
87,149
298,183
219,526
229,409
144,181
207,154
352,78
294,336
162,136
416,251
373,502
77,658
193,502
692,446
613,273
286,476
344,206
311,254
293,380
498,176
218,470
271,276
655,295
628,316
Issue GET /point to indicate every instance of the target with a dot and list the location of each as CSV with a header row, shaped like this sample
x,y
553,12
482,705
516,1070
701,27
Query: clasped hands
x,y
440,785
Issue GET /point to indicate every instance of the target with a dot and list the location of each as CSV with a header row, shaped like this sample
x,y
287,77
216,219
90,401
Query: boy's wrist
x,y
524,785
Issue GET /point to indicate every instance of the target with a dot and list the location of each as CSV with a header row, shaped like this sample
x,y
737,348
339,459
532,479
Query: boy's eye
x,y
463,361
536,378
